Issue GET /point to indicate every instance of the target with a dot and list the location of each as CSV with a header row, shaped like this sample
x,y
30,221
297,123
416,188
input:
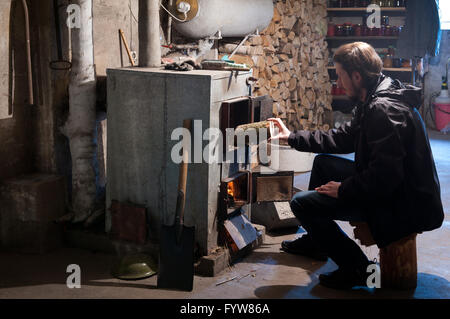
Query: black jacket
x,y
396,182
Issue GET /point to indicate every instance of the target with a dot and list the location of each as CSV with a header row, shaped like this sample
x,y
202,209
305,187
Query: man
x,y
392,185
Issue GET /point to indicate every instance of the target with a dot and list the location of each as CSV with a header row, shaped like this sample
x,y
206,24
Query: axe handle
x,y
182,178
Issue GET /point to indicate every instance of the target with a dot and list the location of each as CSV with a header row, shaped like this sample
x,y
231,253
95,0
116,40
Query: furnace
x,y
145,106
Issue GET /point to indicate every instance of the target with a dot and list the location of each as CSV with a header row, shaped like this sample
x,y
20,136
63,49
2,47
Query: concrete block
x,y
29,205
274,215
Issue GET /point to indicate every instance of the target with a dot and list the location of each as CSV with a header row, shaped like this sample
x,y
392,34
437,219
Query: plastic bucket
x,y
442,115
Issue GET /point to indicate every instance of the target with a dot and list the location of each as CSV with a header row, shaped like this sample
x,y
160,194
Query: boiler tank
x,y
233,18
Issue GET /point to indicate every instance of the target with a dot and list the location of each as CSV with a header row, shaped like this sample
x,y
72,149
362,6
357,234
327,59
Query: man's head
x,y
358,67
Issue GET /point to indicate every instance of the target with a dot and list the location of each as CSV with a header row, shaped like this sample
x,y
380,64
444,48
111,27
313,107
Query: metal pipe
x,y
149,35
28,45
169,25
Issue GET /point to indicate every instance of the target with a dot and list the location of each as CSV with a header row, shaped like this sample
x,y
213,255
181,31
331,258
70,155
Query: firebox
x,y
145,107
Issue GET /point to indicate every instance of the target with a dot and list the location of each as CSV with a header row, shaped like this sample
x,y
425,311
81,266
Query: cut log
x,y
398,263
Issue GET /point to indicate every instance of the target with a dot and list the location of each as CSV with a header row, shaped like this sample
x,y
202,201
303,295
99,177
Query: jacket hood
x,y
394,89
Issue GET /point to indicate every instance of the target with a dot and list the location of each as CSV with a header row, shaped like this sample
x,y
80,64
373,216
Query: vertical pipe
x,y
169,25
28,45
149,36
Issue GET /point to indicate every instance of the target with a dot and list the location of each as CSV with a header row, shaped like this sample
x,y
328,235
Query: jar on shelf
x,y
364,31
334,90
388,31
331,30
334,3
397,63
391,50
395,31
339,31
389,3
357,30
348,30
385,20
363,3
388,61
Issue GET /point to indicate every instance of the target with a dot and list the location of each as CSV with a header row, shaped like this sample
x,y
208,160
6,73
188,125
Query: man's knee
x,y
321,161
301,204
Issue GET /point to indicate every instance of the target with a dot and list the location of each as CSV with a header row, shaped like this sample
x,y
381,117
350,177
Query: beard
x,y
357,93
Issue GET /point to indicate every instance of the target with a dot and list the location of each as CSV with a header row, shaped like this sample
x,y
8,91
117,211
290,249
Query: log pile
x,y
289,58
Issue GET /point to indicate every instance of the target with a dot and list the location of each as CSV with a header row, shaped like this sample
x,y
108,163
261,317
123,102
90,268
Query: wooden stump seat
x,y
398,261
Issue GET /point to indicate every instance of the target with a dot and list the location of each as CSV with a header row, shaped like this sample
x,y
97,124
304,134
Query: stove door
x,y
262,108
276,187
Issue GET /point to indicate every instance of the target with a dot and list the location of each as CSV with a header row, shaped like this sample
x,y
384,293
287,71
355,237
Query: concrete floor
x,y
267,273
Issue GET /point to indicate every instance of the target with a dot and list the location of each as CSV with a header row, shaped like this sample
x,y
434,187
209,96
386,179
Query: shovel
x,y
176,253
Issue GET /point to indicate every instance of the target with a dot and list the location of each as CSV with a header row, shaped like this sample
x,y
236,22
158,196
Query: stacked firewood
x,y
289,58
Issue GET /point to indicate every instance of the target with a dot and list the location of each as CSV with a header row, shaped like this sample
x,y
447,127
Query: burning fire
x,y
231,189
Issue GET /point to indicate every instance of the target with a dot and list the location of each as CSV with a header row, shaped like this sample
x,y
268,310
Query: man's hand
x,y
283,131
330,189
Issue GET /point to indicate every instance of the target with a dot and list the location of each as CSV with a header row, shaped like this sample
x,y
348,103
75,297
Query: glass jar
x,y
388,31
348,30
397,63
395,31
331,30
364,3
388,61
364,31
384,20
339,31
334,3
391,50
357,30
389,3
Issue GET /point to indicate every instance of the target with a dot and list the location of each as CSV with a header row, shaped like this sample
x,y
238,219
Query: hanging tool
x,y
126,47
59,64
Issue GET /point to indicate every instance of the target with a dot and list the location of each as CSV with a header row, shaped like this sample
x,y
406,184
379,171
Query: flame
x,y
230,189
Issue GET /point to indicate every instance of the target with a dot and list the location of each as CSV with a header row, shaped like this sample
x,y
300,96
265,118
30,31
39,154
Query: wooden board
x,y
5,11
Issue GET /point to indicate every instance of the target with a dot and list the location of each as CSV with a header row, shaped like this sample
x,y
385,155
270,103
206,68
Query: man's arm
x,y
387,152
336,141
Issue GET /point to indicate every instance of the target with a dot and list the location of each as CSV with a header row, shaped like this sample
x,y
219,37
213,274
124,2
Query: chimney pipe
x,y
149,34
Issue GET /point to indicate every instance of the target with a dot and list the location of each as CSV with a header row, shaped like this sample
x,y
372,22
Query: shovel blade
x,y
176,260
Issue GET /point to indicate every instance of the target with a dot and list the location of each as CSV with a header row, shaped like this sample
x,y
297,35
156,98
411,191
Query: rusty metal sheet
x,y
241,231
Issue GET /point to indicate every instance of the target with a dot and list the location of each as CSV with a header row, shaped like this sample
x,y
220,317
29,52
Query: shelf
x,y
362,38
384,69
350,9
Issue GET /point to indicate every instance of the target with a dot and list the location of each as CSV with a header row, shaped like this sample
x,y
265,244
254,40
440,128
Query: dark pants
x,y
317,212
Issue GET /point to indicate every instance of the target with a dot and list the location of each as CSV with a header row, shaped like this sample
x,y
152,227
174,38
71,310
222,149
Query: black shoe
x,y
303,246
345,278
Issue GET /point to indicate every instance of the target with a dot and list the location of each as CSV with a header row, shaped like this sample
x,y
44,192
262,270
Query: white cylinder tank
x,y
233,18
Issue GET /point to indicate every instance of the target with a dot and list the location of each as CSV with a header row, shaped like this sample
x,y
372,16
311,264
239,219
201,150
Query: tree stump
x,y
398,261
399,264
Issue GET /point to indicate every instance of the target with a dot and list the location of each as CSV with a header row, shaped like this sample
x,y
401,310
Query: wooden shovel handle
x,y
182,177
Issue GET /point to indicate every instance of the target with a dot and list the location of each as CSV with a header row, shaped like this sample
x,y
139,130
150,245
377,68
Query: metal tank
x,y
233,18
